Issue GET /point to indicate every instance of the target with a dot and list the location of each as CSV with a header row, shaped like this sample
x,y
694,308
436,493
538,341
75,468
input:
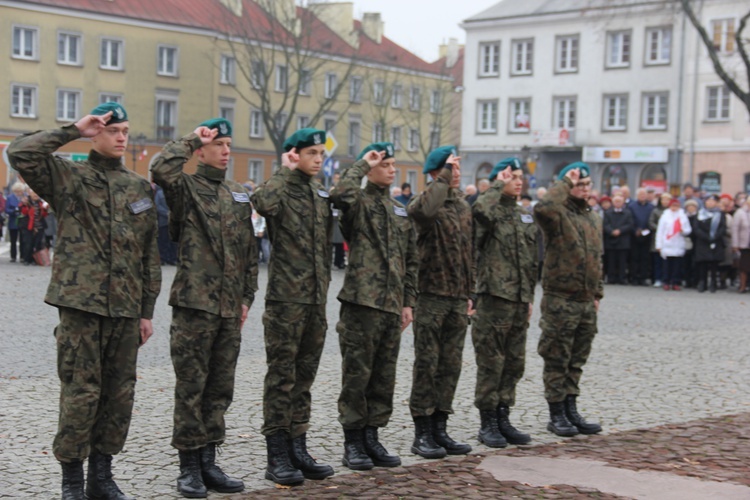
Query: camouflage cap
x,y
223,126
584,168
119,114
378,146
512,162
436,158
304,138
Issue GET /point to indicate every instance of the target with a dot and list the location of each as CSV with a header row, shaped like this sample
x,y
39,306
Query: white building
x,y
612,83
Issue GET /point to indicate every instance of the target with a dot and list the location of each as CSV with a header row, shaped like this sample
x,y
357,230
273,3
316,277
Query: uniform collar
x,y
104,162
578,204
211,173
372,188
507,200
299,177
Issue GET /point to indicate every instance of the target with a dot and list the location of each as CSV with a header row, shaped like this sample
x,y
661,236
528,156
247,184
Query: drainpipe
x,y
680,86
695,99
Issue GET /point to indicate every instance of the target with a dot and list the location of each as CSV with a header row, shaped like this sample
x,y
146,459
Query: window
x,y
258,74
111,54
717,103
329,124
281,120
166,118
487,117
167,61
256,124
282,78
659,45
332,82
303,121
230,168
68,102
520,115
523,57
396,138
489,59
723,34
354,134
411,178
69,49
654,111
377,132
110,97
435,103
564,113
25,42
228,70
413,141
615,113
397,96
23,101
305,82
566,54
255,170
415,98
226,108
355,89
618,49
434,137
378,93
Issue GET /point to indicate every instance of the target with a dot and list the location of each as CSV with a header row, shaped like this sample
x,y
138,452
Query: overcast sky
x,y
422,25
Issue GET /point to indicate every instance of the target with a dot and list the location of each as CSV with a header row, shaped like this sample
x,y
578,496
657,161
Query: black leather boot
x,y
558,421
302,460
72,480
99,483
190,481
424,443
701,286
213,477
440,434
355,455
280,469
576,419
377,452
510,433
489,433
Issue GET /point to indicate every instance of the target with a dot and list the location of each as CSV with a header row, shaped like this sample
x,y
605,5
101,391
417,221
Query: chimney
x,y
373,26
339,17
450,52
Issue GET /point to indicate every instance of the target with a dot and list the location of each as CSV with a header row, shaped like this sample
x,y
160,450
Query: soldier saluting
x,y
105,280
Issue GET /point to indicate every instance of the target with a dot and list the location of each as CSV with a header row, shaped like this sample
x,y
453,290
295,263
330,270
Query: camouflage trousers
x,y
369,340
568,330
499,337
294,336
204,349
439,334
96,360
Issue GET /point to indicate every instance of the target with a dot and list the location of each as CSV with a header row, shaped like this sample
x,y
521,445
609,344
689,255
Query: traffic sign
x,y
331,144
328,167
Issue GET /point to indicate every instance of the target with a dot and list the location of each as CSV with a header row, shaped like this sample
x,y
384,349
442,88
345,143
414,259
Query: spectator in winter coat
x,y
12,211
618,229
653,223
741,241
710,226
671,243
639,252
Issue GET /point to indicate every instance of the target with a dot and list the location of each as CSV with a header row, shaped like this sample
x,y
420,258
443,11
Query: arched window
x,y
483,172
613,175
654,176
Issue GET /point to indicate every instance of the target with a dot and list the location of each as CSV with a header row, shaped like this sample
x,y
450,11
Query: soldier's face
x,y
582,189
112,141
217,153
311,159
514,186
384,173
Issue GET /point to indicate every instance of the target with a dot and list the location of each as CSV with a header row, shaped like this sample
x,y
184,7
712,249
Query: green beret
x,y
378,146
119,114
223,125
436,158
304,138
512,162
584,168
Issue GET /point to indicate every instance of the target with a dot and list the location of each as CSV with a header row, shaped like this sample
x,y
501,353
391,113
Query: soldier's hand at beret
x,y
91,125
574,174
452,161
505,175
373,158
206,134
290,159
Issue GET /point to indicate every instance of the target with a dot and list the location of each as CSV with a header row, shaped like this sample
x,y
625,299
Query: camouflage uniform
x,y
105,278
446,279
380,281
217,274
298,215
572,281
505,238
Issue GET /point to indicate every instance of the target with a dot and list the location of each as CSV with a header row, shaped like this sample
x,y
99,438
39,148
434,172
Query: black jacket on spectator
x,y
622,220
701,235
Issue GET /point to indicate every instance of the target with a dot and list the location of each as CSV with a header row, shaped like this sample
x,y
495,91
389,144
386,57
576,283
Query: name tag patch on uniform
x,y
400,211
323,193
241,197
527,218
140,205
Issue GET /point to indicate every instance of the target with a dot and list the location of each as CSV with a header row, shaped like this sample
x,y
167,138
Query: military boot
x,y
440,434
576,419
99,483
280,469
424,443
489,433
302,460
558,421
377,452
213,477
510,433
355,455
190,481
72,480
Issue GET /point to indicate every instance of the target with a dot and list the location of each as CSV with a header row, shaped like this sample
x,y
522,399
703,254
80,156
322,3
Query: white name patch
x,y
400,211
527,219
241,197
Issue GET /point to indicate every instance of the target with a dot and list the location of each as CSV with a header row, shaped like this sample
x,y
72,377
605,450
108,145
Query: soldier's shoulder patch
x,y
140,206
400,211
527,218
323,193
241,197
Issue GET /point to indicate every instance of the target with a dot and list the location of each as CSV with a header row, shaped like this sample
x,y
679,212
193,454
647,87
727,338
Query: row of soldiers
x,y
435,262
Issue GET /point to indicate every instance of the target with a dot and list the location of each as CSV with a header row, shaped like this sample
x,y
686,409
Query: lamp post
x,y
137,144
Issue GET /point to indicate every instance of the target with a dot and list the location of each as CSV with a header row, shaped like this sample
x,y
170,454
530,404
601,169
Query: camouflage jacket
x,y
572,243
210,218
383,261
505,239
443,221
299,220
106,258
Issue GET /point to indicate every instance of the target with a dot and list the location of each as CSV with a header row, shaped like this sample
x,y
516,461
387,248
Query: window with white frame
x,y
281,120
618,49
25,42
412,143
378,93
305,82
255,170
435,101
69,48
329,124
566,53
434,137
397,96
654,111
230,168
23,101
659,45
522,59
722,31
332,82
519,112
717,103
377,132
105,97
396,138
303,121
258,74
411,178
487,117
166,118
68,104
256,124
615,113
354,135
167,61
111,54
415,98
564,109
228,70
226,108
355,89
489,59
282,78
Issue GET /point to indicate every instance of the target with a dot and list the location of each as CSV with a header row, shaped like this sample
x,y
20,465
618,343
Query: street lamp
x,y
137,144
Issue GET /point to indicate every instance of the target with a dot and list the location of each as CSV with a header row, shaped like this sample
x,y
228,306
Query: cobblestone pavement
x,y
660,358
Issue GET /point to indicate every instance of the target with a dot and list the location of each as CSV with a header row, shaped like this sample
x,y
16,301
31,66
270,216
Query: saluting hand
x,y
91,125
206,134
504,175
290,159
373,158
574,175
